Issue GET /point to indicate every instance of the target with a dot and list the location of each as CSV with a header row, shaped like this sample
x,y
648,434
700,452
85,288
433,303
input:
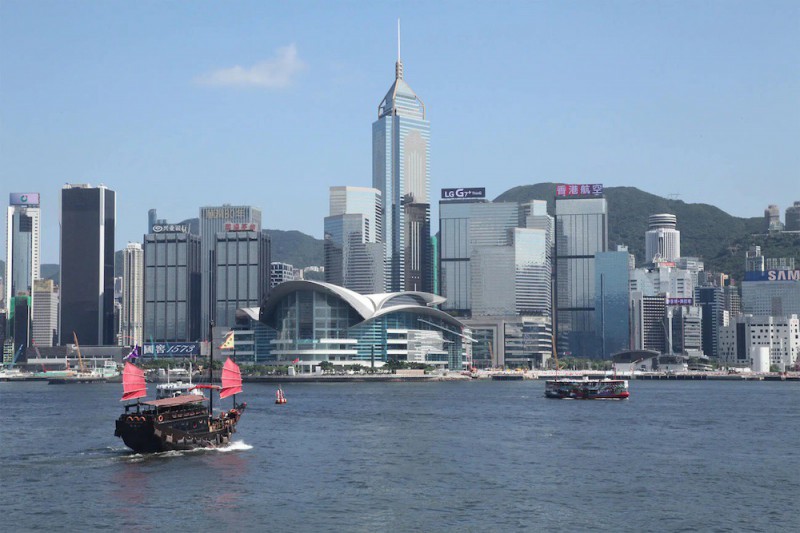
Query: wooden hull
x,y
185,429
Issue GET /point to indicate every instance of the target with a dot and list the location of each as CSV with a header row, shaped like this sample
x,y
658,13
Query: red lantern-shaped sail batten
x,y
231,379
133,384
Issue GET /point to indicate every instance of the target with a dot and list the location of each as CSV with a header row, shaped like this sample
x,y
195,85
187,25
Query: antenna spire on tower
x,y
398,67
398,40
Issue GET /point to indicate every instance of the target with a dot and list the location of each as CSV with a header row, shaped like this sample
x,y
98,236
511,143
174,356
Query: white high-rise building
x,y
279,273
23,264
659,279
45,313
662,242
781,334
131,317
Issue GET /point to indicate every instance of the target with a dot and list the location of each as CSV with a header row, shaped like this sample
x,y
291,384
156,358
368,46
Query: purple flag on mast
x,y
133,355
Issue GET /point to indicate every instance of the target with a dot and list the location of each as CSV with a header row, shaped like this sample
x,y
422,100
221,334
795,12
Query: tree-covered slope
x,y
707,232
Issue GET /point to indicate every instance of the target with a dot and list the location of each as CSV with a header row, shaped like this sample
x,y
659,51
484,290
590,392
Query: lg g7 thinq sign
x,y
463,193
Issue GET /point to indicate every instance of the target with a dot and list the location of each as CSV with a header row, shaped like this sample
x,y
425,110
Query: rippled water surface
x,y
450,456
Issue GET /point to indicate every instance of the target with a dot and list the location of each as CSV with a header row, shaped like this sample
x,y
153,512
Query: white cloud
x,y
275,73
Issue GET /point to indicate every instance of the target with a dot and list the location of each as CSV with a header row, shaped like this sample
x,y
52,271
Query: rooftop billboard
x,y
584,189
23,198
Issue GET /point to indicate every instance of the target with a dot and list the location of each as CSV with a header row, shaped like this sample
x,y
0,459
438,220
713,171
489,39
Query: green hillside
x,y
296,248
707,232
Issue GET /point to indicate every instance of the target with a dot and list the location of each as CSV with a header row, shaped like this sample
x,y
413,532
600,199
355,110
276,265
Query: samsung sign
x,y
23,198
773,275
463,193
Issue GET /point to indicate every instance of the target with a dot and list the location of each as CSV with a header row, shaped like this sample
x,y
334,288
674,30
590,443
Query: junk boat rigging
x,y
182,422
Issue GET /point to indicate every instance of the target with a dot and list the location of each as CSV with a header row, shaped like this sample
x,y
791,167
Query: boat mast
x,y
234,360
211,367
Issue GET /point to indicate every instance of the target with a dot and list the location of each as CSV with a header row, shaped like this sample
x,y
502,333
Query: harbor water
x,y
445,456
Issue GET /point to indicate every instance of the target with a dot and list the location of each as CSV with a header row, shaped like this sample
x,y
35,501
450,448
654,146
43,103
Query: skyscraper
x,y
241,271
712,302
793,217
45,313
22,261
495,257
213,221
132,315
662,241
581,232
612,299
354,255
401,172
88,216
172,285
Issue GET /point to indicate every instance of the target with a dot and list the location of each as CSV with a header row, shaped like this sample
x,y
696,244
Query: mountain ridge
x,y
707,232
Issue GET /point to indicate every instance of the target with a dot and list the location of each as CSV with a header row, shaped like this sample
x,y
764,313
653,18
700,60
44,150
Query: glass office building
x,y
401,172
88,217
172,287
354,256
712,302
22,245
22,264
771,293
581,233
214,219
612,301
495,258
315,322
241,273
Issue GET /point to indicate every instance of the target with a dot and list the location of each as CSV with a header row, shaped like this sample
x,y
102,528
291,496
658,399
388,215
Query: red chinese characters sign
x,y
230,226
593,189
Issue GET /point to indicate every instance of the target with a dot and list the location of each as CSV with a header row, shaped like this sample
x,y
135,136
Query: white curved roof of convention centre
x,y
368,306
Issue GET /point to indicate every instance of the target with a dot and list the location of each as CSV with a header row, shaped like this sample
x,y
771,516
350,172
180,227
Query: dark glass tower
x,y
241,273
87,265
581,232
172,286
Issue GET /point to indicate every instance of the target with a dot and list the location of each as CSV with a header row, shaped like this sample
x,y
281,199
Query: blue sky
x,y
180,104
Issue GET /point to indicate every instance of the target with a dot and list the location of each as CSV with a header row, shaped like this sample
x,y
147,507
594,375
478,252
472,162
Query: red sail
x,y
133,384
231,379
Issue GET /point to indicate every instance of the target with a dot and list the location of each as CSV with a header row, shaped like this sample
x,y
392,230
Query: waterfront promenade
x,y
530,374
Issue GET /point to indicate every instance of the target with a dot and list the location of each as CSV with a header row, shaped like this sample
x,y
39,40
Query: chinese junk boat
x,y
587,389
181,422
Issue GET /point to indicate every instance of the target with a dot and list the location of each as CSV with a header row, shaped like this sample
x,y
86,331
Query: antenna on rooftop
x,y
398,40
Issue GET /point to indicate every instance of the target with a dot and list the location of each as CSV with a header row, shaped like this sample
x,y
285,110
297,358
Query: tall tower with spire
x,y
401,171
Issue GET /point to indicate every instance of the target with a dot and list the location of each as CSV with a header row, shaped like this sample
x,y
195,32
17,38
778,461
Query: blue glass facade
x,y
581,232
401,171
314,322
612,300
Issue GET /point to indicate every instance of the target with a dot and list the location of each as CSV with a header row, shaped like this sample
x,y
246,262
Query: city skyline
x,y
169,109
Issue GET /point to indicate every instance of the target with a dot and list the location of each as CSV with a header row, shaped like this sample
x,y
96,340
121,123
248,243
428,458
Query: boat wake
x,y
235,446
